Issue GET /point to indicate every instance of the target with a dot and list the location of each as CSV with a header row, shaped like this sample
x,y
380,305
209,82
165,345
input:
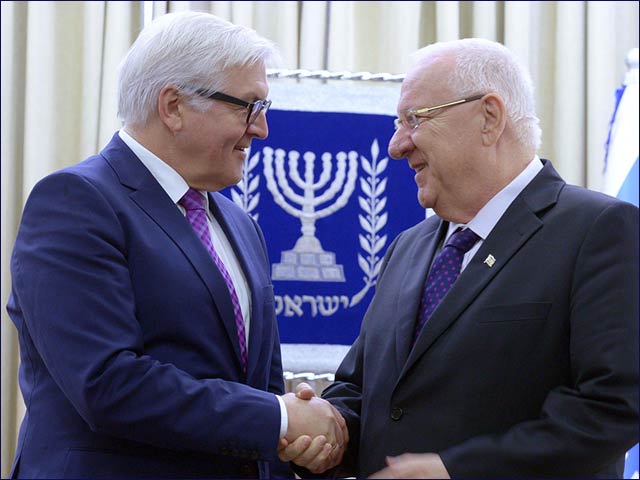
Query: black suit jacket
x,y
526,368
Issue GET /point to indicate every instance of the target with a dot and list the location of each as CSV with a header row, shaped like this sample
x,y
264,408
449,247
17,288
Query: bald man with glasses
x,y
502,340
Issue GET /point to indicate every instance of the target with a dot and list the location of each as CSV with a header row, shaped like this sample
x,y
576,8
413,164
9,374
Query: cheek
x,y
222,148
429,139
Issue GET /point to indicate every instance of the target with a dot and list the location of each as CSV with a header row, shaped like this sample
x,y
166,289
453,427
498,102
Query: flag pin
x,y
490,260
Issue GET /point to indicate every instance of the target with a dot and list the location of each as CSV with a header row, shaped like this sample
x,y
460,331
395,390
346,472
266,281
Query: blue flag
x,y
621,159
621,170
631,463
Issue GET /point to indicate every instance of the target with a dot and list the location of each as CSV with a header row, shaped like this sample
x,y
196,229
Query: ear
x,y
494,118
171,108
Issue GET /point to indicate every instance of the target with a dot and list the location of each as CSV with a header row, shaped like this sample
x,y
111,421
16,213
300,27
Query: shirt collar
x,y
490,214
170,180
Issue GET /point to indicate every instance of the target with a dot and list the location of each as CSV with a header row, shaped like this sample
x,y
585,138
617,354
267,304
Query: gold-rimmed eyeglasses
x,y
412,117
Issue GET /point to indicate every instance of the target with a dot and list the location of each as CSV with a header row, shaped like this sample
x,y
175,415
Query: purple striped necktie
x,y
193,203
444,272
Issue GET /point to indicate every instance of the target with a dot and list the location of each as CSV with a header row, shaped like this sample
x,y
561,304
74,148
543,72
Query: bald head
x,y
475,64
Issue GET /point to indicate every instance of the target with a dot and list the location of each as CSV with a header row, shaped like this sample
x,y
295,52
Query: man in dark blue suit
x,y
502,340
144,305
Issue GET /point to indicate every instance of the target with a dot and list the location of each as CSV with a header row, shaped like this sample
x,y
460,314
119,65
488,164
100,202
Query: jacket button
x,y
396,413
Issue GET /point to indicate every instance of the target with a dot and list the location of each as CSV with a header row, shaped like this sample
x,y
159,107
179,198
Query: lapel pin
x,y
490,260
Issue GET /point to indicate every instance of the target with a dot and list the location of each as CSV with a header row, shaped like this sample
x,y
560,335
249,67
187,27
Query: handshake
x,y
317,435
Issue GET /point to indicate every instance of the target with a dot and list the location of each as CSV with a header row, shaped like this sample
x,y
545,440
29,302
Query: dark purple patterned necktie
x,y
444,271
193,203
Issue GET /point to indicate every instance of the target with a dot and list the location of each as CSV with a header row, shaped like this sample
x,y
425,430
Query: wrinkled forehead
x,y
426,83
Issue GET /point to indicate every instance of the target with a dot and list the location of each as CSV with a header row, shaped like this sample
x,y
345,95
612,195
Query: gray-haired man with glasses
x,y
502,340
143,297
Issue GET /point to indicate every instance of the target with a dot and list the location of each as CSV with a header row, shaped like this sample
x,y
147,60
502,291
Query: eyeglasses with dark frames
x,y
412,117
254,109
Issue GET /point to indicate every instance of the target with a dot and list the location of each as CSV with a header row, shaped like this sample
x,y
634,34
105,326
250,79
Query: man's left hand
x,y
413,465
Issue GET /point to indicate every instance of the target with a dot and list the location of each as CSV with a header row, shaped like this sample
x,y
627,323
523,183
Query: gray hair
x,y
483,66
189,50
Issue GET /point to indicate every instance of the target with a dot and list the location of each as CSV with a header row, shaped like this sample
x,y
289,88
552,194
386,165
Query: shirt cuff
x,y
284,418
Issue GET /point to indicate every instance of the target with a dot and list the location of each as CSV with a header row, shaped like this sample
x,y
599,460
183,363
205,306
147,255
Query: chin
x,y
229,179
236,179
424,201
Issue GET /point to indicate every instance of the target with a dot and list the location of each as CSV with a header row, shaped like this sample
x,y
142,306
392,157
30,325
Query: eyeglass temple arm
x,y
457,102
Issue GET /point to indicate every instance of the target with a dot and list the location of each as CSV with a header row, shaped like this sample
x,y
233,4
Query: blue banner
x,y
329,200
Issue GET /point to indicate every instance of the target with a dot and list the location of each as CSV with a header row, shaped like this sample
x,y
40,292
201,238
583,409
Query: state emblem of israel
x,y
329,201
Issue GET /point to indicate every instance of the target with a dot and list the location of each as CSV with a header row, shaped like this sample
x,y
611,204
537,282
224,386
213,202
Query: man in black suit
x,y
510,352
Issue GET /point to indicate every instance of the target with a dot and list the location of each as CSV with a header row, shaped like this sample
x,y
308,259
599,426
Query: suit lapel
x,y
154,201
512,231
410,295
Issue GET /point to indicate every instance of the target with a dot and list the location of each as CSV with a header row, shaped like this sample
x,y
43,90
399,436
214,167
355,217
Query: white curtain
x,y
575,51
59,64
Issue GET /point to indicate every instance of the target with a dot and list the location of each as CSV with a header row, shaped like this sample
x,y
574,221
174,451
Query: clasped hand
x,y
317,434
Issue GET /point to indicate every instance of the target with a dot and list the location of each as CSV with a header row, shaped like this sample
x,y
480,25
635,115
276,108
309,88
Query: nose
x,y
259,128
400,144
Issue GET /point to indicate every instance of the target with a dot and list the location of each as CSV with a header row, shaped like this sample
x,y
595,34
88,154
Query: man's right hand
x,y
317,435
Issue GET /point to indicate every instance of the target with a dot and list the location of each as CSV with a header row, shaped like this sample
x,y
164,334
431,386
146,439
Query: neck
x,y
500,172
155,141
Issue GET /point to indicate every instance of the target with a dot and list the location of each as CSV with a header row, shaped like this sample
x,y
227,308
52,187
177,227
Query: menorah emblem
x,y
308,261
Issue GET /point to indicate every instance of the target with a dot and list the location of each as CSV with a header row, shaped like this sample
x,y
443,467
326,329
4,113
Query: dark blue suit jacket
x,y
130,364
527,368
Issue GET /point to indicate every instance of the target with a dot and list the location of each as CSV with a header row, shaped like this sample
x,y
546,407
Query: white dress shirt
x,y
490,214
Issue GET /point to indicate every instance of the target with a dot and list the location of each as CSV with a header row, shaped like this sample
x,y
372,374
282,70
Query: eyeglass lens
x,y
258,107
